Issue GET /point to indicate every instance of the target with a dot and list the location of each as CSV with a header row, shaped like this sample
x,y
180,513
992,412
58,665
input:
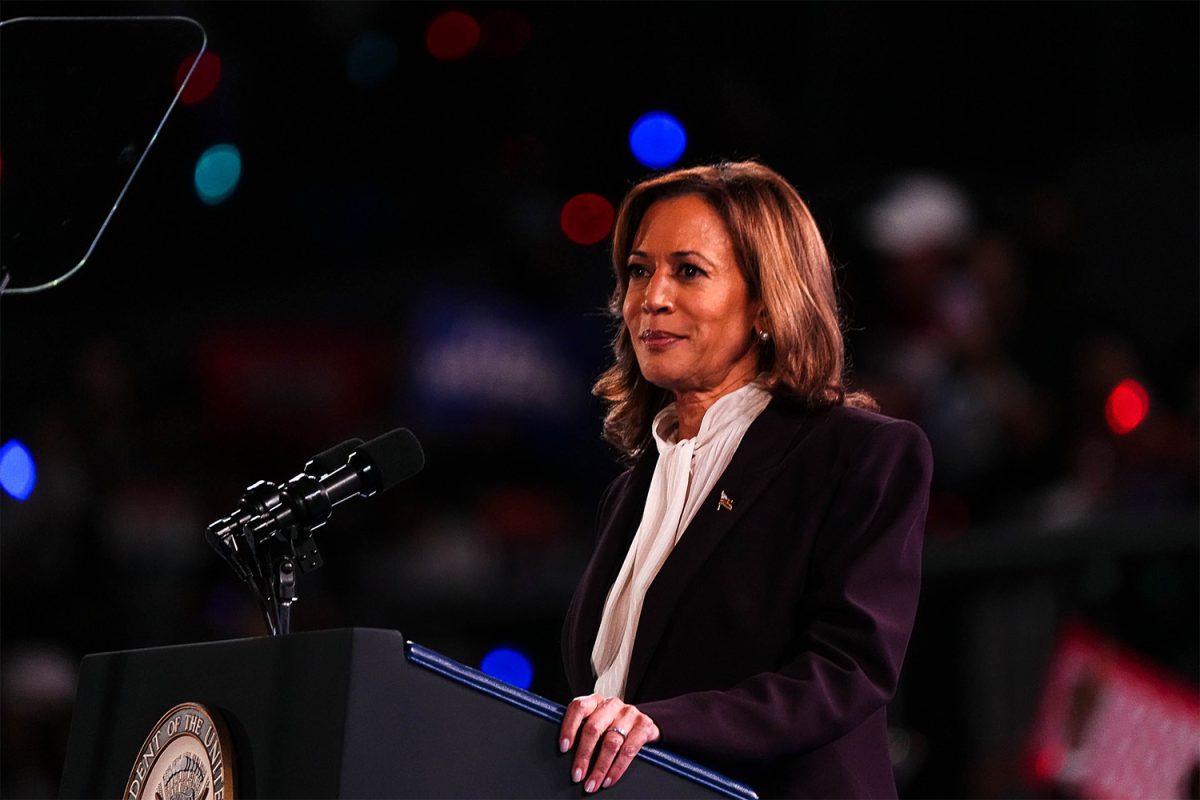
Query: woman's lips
x,y
659,339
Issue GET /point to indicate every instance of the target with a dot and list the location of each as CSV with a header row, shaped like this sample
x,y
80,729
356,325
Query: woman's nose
x,y
658,297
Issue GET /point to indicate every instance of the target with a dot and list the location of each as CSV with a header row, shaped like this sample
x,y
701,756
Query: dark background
x,y
392,256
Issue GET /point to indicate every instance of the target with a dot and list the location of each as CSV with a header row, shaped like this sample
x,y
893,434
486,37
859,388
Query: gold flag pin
x,y
725,503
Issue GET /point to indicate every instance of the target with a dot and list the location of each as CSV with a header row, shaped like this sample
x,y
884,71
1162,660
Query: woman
x,y
756,570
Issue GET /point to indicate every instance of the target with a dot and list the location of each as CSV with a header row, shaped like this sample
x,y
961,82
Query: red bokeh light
x,y
1127,406
587,218
204,80
1047,762
504,33
451,36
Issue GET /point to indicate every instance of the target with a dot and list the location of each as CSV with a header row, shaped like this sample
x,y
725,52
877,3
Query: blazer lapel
x,y
757,459
619,525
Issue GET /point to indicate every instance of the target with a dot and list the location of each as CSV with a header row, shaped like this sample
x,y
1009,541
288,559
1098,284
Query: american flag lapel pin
x,y
724,502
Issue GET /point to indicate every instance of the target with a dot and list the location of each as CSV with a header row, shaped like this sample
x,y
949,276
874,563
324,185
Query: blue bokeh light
x,y
17,471
217,173
371,60
657,139
509,666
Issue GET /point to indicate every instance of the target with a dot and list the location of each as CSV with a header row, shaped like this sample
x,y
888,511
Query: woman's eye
x,y
637,271
690,271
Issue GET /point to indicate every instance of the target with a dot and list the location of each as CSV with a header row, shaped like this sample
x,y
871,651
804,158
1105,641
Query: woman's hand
x,y
613,730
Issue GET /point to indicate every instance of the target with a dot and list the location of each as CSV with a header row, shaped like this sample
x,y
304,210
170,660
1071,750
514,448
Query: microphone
x,y
262,496
324,463
307,501
269,536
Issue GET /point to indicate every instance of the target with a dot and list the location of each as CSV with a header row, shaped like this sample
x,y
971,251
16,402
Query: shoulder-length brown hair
x,y
784,262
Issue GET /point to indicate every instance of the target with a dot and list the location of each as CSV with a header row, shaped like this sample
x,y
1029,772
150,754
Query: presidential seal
x,y
187,756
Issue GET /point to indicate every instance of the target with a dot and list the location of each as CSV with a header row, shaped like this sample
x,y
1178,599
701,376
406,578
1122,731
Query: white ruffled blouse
x,y
686,472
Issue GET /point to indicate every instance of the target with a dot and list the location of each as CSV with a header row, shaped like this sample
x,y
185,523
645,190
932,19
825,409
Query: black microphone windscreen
x,y
335,457
396,456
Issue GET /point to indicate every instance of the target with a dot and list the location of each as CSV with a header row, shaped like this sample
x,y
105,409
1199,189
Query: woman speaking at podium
x,y
756,570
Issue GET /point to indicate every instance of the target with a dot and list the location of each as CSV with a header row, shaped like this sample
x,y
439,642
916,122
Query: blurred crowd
x,y
980,335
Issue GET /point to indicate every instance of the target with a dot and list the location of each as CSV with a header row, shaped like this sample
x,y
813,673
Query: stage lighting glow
x,y
508,665
586,218
217,173
204,79
451,35
17,471
1127,406
657,139
371,60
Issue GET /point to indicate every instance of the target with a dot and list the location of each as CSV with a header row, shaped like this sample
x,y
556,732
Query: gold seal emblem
x,y
187,756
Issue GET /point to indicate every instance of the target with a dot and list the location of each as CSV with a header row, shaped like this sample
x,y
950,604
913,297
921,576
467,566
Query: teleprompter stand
x,y
346,713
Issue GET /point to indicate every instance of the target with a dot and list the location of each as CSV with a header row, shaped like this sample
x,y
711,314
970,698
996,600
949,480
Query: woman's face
x,y
687,306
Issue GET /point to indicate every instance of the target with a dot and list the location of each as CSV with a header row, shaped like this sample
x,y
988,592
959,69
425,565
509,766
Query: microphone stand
x,y
278,558
299,556
285,588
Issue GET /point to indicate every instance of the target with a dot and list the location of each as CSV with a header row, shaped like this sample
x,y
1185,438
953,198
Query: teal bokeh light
x,y
371,60
217,173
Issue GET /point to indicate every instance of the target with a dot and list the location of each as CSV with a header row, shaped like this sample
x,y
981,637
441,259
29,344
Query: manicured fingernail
x,y
591,787
577,775
607,782
564,745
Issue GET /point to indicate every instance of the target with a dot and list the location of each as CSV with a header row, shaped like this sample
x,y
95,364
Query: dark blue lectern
x,y
346,713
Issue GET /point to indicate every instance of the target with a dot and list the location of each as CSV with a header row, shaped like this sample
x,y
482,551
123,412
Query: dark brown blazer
x,y
771,640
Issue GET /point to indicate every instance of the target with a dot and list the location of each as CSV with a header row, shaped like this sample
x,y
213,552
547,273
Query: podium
x,y
353,712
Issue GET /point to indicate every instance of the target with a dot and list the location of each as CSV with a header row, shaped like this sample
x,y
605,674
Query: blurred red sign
x,y
1112,725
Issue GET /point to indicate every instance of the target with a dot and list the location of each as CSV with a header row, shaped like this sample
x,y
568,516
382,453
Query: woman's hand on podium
x,y
612,730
